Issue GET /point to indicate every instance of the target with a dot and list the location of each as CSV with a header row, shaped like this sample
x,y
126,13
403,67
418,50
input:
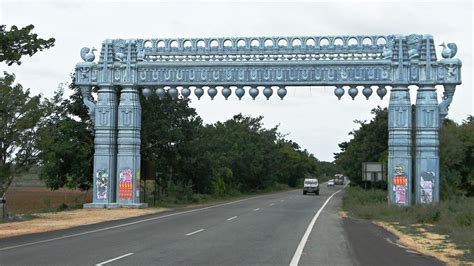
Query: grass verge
x,y
445,231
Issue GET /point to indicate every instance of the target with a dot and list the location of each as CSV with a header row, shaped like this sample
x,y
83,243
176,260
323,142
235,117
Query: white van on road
x,y
311,185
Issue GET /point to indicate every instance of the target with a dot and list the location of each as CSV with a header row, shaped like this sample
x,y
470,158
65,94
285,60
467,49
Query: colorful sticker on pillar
x,y
400,185
101,183
426,187
125,184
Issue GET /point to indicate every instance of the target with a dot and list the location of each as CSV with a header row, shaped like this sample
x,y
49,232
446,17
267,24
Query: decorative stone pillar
x,y
427,146
105,145
128,156
399,146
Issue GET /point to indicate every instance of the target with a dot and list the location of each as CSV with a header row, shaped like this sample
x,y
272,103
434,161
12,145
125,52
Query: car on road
x,y
330,182
311,185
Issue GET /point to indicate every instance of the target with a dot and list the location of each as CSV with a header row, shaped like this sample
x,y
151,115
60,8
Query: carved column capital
x,y
86,91
448,95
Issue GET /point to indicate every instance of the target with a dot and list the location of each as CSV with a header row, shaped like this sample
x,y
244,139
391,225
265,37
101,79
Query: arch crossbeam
x,y
398,60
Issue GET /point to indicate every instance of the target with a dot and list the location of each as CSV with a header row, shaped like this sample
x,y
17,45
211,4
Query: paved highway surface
x,y
275,229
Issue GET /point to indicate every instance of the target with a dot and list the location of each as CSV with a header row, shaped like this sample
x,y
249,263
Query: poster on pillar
x,y
101,183
426,187
125,188
399,182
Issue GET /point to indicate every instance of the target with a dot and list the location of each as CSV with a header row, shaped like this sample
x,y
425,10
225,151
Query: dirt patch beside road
x,y
27,200
67,219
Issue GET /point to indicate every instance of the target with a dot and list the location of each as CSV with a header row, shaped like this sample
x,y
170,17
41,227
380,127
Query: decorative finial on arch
x,y
87,54
449,50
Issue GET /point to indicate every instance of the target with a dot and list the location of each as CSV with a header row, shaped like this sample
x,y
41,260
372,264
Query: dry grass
x,y
27,200
425,242
62,220
42,203
343,214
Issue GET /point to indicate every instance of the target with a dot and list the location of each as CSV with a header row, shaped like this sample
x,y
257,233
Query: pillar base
x,y
114,205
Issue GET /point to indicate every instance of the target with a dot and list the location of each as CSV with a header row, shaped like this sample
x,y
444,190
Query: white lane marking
x,y
256,209
127,224
231,218
271,204
299,249
282,200
114,259
195,232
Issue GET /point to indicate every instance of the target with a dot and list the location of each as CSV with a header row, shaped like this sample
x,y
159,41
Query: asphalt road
x,y
276,229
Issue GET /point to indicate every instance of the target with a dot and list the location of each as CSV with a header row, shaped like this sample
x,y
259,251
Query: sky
x,y
310,116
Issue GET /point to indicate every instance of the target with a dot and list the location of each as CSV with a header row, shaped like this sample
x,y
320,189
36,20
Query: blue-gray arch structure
x,y
249,65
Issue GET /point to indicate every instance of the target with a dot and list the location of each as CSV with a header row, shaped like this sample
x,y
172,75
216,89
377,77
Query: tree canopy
x,y
236,155
65,141
457,158
369,143
20,115
15,43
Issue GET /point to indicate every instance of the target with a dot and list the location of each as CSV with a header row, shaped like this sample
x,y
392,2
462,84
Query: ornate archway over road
x,y
270,63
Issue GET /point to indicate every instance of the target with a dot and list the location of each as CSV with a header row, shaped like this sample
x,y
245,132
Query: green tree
x,y
20,115
15,43
329,169
369,144
457,158
168,127
65,141
241,155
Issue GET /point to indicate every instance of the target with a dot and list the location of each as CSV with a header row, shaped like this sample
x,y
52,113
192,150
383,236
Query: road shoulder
x,y
373,245
328,243
46,222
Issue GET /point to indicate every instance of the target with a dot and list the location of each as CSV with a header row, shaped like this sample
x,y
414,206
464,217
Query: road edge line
x,y
299,250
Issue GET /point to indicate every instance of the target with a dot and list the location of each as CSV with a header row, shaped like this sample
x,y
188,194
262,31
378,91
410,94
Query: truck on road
x,y
339,179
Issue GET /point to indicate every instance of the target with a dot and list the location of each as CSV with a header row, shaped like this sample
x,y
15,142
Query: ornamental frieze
x,y
191,75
